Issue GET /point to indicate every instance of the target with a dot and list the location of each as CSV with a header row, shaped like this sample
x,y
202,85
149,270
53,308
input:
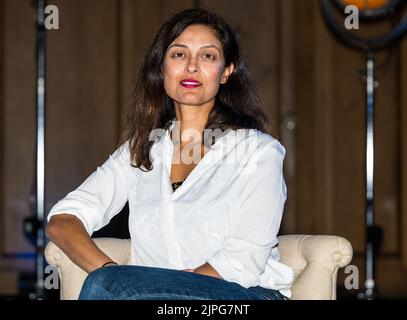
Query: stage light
x,y
372,9
371,12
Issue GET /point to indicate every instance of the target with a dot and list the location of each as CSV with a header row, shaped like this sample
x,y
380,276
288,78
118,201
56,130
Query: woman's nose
x,y
192,66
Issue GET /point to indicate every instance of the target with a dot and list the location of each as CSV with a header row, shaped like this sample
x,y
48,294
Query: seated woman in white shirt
x,y
201,174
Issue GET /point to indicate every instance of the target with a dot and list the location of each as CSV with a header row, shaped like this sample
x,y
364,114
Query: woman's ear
x,y
227,72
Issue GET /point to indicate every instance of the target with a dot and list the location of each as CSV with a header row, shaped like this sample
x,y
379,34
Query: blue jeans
x,y
150,283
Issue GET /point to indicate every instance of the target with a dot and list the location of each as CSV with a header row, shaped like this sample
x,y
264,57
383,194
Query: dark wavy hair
x,y
237,103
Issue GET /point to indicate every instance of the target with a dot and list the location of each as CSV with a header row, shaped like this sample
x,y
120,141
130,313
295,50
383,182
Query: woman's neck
x,y
190,122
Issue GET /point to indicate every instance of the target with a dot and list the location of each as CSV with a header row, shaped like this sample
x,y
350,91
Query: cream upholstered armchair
x,y
315,260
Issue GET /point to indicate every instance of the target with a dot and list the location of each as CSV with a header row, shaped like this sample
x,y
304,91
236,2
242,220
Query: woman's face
x,y
194,67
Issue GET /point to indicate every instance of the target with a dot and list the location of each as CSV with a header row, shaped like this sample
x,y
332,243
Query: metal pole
x,y
373,232
40,156
369,283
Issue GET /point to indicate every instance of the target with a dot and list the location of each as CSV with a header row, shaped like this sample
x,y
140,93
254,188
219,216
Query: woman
x,y
202,177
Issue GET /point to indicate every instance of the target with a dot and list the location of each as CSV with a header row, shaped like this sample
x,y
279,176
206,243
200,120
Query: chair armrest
x,y
315,260
71,276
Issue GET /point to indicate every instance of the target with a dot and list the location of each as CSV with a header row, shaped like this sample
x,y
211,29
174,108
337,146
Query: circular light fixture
x,y
371,9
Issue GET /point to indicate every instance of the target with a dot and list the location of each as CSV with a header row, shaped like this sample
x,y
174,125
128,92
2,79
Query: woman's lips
x,y
190,84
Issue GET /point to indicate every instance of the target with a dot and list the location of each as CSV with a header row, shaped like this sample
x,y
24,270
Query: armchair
x,y
314,258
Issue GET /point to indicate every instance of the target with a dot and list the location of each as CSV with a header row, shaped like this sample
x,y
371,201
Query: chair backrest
x,y
315,260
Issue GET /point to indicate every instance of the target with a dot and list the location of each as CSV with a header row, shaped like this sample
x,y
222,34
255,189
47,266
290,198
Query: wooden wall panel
x,y
304,73
324,132
348,132
387,148
259,33
18,121
82,100
403,151
287,105
8,272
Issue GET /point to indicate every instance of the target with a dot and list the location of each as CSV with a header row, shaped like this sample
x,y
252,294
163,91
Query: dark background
x,y
311,84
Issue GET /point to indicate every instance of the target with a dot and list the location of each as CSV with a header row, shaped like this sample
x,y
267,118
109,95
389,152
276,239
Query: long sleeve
x,y
256,219
101,196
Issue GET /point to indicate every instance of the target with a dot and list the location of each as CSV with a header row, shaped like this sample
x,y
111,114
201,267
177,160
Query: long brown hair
x,y
237,103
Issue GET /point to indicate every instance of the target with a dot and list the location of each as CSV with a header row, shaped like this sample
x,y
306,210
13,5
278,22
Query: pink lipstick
x,y
190,83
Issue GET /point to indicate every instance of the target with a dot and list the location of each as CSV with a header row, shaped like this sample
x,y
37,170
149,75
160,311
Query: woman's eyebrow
x,y
203,47
211,46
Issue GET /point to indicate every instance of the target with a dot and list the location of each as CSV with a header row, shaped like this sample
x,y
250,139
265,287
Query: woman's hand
x,y
205,269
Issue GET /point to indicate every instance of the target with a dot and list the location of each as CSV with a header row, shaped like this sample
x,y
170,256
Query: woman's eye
x,y
209,56
177,55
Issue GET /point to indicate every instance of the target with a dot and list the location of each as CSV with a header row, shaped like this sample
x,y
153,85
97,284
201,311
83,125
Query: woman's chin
x,y
192,103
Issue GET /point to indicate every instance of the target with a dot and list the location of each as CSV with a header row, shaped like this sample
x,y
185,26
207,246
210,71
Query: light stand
x,y
373,232
368,45
39,288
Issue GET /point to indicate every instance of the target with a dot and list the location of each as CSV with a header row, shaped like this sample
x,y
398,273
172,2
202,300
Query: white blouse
x,y
227,212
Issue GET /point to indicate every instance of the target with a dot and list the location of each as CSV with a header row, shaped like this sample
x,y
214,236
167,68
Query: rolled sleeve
x,y
101,196
255,221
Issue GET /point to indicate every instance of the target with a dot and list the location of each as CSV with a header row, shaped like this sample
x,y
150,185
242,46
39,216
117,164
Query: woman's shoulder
x,y
252,147
122,153
262,141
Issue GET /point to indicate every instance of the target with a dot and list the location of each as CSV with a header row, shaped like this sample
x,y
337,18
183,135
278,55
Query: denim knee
x,y
97,284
